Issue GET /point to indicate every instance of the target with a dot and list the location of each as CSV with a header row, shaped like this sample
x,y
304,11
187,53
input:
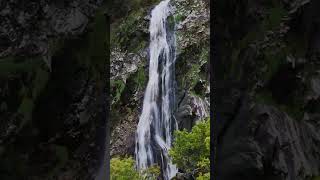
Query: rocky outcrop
x,y
52,95
27,27
267,106
192,64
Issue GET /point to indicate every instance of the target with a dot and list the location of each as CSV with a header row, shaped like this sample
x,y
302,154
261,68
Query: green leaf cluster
x,y
191,150
124,169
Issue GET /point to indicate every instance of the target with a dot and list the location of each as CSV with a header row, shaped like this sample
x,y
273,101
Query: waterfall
x,y
157,123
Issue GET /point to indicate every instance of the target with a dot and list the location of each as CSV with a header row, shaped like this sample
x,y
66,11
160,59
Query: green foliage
x,y
179,17
122,35
150,173
190,72
117,87
205,176
123,169
140,78
191,150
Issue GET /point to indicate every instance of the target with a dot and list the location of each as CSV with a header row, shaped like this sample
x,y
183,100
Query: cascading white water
x,y
157,123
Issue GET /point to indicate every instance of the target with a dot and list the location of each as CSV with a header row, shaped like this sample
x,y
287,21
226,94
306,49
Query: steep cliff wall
x,y
267,95
52,96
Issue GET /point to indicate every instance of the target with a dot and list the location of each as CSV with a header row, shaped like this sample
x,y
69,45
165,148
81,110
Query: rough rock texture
x,y
27,26
52,95
129,68
192,64
267,70
129,40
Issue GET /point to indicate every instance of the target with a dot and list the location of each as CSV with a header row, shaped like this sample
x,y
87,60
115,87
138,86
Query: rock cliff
x,y
267,103
52,95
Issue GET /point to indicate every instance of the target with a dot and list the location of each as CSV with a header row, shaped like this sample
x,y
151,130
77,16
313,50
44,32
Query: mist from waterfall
x,y
157,122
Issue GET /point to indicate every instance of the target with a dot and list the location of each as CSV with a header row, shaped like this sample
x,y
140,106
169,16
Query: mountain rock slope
x,y
267,90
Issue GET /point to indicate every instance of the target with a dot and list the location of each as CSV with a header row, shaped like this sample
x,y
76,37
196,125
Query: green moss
x,y
204,56
192,76
117,87
274,17
179,17
26,108
11,65
171,22
121,35
189,63
140,78
273,59
138,45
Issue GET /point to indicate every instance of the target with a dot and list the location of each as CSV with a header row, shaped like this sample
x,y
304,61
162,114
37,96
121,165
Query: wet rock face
x,y
267,118
191,109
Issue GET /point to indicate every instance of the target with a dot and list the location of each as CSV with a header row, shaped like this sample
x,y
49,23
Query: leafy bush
x,y
151,173
123,169
205,176
191,150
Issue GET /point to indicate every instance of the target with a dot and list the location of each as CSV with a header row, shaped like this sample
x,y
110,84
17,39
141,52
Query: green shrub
x,y
205,176
151,173
191,150
124,169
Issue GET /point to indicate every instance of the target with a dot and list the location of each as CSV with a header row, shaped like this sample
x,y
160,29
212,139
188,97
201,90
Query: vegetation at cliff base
x,y
191,150
124,169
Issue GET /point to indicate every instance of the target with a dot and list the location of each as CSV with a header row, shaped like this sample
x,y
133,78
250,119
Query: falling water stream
x,y
157,123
